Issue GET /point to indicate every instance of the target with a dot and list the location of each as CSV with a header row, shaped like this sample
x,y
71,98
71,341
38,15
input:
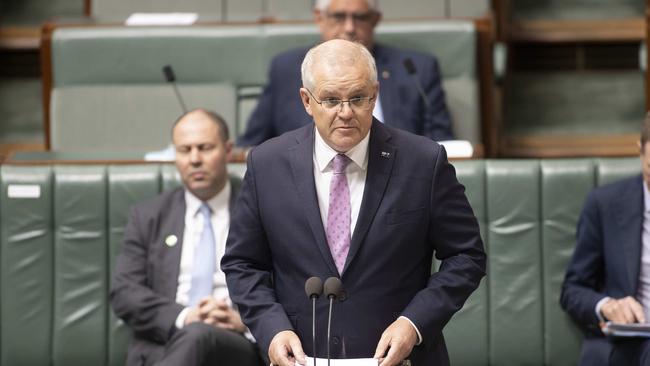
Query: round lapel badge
x,y
171,240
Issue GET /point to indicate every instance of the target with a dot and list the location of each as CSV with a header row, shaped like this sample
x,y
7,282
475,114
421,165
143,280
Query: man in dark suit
x,y
168,287
608,278
399,104
350,197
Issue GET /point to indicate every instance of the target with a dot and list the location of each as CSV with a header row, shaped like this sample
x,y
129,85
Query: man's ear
x,y
305,98
229,145
376,19
319,19
318,16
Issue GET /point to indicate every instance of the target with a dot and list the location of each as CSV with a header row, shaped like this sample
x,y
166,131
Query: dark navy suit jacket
x,y
280,110
606,259
413,206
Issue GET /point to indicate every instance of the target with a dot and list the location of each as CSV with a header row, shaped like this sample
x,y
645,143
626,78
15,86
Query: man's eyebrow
x,y
327,91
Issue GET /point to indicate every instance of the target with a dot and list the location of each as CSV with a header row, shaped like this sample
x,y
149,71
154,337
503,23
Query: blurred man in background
x,y
399,103
168,286
608,278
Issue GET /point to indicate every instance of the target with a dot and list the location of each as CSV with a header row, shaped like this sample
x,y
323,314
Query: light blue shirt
x,y
643,291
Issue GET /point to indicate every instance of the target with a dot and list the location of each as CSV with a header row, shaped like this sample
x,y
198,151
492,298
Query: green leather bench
x,y
61,227
105,79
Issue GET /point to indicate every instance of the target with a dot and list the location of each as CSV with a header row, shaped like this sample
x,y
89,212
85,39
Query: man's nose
x,y
195,156
349,25
345,110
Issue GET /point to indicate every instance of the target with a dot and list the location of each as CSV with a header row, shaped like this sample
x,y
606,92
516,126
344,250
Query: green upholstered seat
x,y
61,227
105,78
471,348
26,265
514,270
434,8
289,9
80,276
564,185
137,117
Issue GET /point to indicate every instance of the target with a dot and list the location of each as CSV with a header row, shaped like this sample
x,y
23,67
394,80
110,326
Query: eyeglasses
x,y
357,103
358,18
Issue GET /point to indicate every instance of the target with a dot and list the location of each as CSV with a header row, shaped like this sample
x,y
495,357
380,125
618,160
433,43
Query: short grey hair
x,y
323,4
324,52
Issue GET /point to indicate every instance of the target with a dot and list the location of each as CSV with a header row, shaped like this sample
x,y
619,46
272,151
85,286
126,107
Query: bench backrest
x,y
105,79
61,227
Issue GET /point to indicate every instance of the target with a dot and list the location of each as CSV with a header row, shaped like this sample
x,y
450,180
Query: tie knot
x,y
339,163
205,210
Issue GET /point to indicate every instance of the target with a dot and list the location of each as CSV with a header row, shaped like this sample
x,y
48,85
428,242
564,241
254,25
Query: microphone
x,y
332,289
412,70
313,289
171,78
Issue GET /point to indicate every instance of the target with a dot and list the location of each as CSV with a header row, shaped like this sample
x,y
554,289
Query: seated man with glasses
x,y
399,104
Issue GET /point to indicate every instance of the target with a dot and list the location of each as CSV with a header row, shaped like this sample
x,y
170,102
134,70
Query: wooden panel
x,y
19,37
485,67
647,74
632,29
570,146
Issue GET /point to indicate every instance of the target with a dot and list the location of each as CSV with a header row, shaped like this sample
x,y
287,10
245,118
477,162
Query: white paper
x,y
24,191
458,148
162,19
342,362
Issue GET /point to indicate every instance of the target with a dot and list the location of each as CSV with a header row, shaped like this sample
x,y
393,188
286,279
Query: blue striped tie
x,y
204,260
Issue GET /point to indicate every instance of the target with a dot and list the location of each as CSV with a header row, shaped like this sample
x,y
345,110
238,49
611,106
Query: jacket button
x,y
335,341
343,296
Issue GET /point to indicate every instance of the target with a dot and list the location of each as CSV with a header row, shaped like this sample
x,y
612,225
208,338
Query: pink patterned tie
x,y
338,215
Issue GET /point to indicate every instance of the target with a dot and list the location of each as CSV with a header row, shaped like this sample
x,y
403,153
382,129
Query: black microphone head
x,y
313,287
333,288
409,66
169,73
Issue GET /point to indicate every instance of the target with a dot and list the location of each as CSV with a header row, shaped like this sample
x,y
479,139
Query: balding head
x,y
202,147
352,20
334,54
322,5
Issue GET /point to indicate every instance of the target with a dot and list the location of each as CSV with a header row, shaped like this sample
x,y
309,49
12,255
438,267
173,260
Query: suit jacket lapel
x,y
381,156
388,88
170,256
301,157
629,217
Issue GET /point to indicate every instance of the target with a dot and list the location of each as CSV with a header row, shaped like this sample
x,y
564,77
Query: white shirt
x,y
643,291
220,219
356,173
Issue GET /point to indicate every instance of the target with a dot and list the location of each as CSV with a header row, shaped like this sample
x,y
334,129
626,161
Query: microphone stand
x,y
313,328
329,327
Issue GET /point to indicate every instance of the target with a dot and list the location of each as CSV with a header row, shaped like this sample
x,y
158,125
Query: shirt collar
x,y
217,204
324,153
